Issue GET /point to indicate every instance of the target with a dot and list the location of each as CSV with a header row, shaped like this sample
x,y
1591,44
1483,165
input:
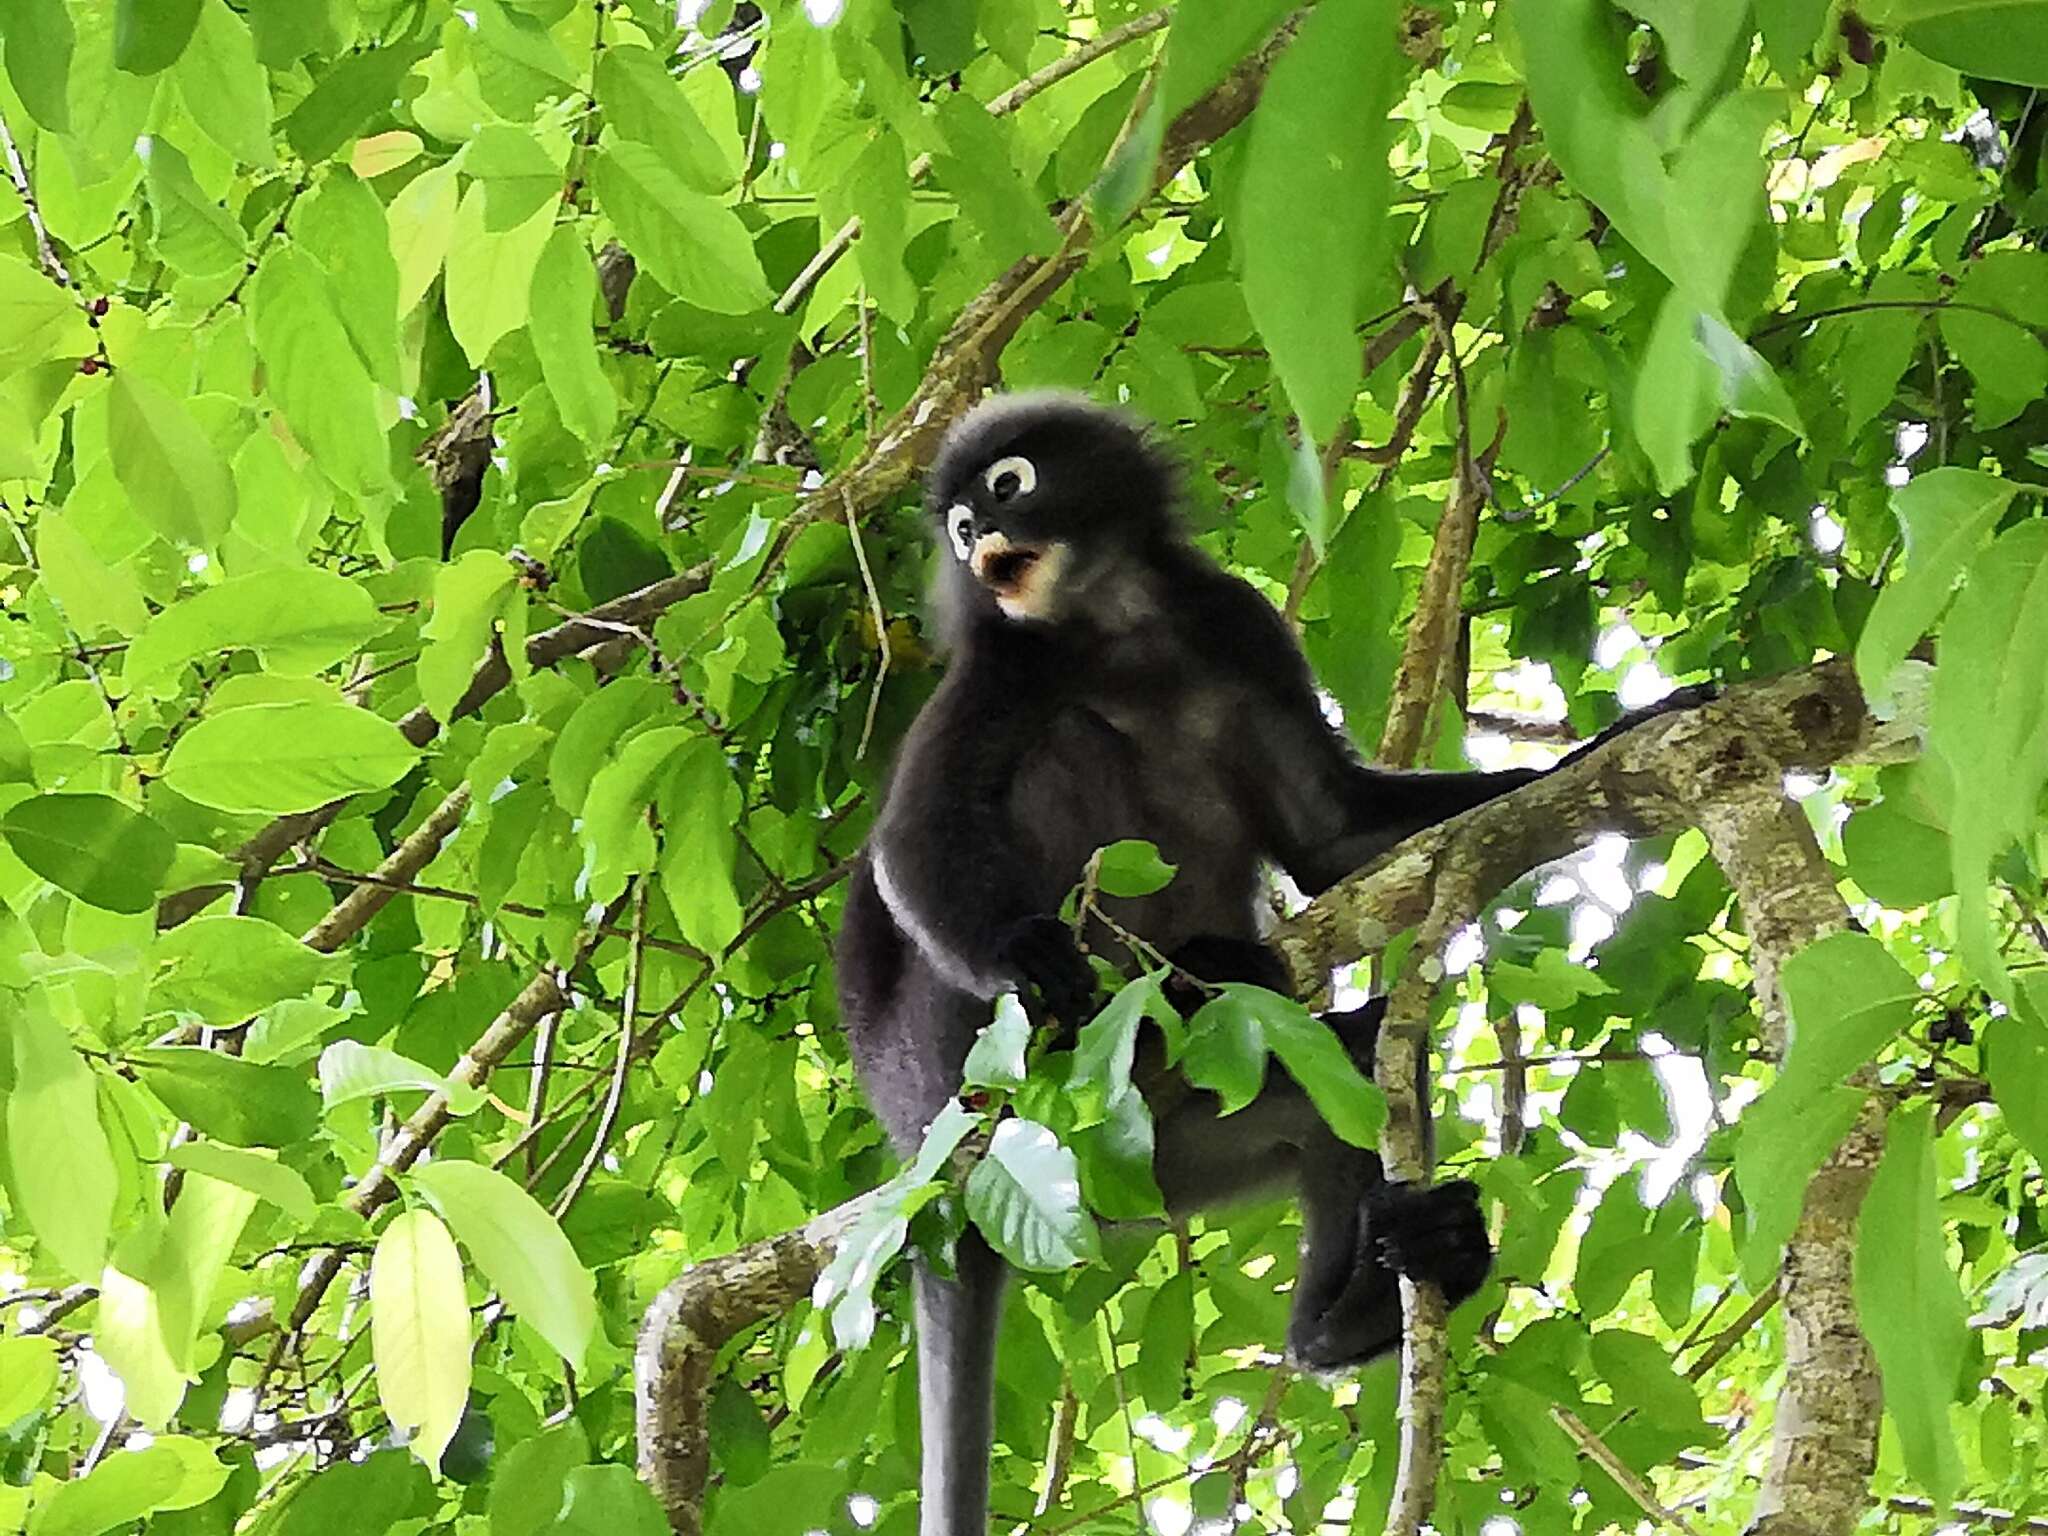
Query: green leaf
x,y
1998,39
422,220
563,302
345,96
469,595
1226,1051
28,1375
519,178
257,1172
2015,1056
1613,1252
299,621
977,168
313,372
1749,385
231,1100
178,480
1847,999
173,1472
1131,867
39,47
1944,517
490,275
846,1288
644,103
603,721
1640,1374
100,850
527,1485
68,1200
1204,43
1230,1034
1879,347
695,248
1115,1159
1781,1145
1592,122
700,808
38,320
1791,28
225,86
2008,364
370,1495
610,1501
150,34
1990,725
1318,141
156,1292
616,840
1909,1304
419,1332
351,1070
1896,850
1025,1195
343,225
520,1250
996,1059
271,759
225,968
1107,1047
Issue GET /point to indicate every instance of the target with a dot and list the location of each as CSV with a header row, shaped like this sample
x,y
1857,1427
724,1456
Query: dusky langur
x,y
1108,680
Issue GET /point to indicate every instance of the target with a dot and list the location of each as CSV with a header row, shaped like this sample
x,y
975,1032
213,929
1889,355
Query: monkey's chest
x,y
1152,768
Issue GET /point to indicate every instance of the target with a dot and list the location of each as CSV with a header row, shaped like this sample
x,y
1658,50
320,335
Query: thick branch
x,y
676,1360
1824,1444
1807,719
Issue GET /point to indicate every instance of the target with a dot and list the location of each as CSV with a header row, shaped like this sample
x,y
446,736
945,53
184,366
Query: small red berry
x,y
100,305
88,366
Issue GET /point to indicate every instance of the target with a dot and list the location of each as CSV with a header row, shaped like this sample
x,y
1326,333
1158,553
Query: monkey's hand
x,y
1041,953
1689,697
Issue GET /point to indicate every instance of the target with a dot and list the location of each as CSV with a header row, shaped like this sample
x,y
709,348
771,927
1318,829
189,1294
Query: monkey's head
x,y
1039,498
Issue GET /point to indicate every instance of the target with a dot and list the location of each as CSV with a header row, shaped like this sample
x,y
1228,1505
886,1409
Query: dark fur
x,y
1165,700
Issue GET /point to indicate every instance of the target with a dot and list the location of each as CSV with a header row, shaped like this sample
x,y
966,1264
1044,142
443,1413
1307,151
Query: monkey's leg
x,y
1202,1160
956,1382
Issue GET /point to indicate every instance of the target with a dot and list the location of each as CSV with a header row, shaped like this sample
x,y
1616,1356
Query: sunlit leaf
x,y
68,1200
1025,1195
419,1331
521,1251
273,758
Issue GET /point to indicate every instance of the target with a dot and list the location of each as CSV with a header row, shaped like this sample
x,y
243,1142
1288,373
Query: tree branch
x,y
1824,1443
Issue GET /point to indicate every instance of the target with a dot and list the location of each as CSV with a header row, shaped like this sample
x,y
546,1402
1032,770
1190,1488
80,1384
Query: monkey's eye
x,y
1010,478
960,529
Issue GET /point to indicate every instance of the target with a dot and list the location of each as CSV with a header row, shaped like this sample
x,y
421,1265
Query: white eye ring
x,y
960,529
1022,468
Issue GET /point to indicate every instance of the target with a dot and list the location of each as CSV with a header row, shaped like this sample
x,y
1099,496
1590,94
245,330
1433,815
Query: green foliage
x,y
293,815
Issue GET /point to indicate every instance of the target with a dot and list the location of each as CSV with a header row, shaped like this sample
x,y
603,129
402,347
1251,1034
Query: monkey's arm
x,y
949,863
1325,813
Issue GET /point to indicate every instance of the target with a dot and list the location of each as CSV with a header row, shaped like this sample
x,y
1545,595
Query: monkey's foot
x,y
1436,1234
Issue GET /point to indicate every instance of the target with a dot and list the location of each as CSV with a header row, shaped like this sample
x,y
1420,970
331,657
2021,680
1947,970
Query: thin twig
x,y
881,618
1602,1455
616,1096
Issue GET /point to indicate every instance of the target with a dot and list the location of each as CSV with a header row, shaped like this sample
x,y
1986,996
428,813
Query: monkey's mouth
x,y
1007,571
